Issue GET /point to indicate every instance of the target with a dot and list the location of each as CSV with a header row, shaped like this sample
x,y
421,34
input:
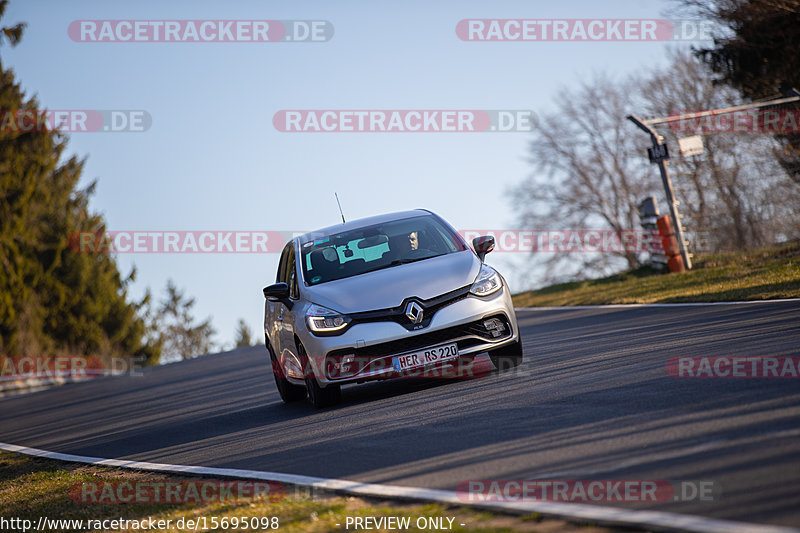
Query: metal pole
x,y
713,112
673,204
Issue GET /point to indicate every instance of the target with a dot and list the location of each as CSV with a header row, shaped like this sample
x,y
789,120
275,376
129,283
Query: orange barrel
x,y
664,226
670,245
675,264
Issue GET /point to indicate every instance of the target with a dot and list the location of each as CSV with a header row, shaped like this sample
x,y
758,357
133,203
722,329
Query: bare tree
x,y
590,169
589,173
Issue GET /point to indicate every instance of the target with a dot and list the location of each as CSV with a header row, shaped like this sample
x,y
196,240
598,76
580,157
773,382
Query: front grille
x,y
398,314
473,333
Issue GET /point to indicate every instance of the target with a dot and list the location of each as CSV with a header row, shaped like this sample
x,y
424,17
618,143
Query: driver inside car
x,y
413,240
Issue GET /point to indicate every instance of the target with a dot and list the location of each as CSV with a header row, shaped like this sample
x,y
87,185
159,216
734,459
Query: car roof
x,y
360,223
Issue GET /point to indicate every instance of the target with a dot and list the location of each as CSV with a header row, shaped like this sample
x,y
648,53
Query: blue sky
x,y
213,161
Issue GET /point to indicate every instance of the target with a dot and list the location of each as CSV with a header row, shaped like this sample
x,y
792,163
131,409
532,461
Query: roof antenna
x,y
340,207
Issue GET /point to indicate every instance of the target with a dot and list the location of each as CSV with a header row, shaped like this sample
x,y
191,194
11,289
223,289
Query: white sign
x,y
691,145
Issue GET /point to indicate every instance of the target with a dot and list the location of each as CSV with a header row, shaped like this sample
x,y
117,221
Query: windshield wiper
x,y
393,263
397,262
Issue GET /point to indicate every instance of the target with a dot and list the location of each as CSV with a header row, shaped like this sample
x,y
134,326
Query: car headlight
x,y
487,282
323,320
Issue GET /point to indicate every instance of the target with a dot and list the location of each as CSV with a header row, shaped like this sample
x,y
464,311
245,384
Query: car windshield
x,y
376,247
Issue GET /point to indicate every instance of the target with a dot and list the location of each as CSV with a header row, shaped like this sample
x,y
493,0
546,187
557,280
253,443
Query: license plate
x,y
428,356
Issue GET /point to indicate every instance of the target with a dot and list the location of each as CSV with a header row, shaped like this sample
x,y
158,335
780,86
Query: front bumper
x,y
373,345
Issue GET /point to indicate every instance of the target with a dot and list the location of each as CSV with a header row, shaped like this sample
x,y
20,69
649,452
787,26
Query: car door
x,y
275,309
284,320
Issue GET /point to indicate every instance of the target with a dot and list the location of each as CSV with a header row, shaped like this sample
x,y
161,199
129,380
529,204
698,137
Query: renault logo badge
x,y
414,312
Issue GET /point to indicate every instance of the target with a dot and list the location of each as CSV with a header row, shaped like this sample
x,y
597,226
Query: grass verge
x,y
31,488
763,274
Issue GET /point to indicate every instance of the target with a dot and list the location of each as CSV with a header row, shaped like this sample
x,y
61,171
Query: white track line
x,y
600,515
633,306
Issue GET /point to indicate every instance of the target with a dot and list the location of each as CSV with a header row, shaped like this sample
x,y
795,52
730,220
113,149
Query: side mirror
x,y
277,292
483,245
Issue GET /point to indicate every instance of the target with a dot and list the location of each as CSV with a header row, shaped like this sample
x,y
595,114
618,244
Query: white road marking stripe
x,y
602,515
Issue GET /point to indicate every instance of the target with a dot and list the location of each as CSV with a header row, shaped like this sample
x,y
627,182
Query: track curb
x,y
597,514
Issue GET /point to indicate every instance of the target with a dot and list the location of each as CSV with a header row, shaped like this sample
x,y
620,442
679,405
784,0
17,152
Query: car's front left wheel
x,y
508,356
289,392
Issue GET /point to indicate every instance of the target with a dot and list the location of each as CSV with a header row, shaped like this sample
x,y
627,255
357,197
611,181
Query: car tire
x,y
288,391
330,395
320,397
507,357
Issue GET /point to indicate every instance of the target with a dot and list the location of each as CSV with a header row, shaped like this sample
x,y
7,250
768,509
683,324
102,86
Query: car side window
x,y
282,263
291,274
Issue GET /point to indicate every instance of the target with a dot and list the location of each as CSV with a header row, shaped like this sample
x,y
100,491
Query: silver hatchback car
x,y
383,297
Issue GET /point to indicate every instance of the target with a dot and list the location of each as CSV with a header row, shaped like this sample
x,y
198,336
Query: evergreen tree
x,y
180,336
244,337
757,54
51,298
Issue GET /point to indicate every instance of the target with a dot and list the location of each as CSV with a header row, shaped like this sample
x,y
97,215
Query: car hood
x,y
388,287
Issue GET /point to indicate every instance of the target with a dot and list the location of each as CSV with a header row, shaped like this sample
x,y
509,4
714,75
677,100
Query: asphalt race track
x,y
592,400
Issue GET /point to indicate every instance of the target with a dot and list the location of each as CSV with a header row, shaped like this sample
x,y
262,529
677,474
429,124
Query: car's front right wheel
x,y
508,356
319,396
